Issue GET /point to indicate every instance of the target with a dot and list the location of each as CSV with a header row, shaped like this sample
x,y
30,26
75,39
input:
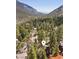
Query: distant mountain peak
x,y
57,12
24,11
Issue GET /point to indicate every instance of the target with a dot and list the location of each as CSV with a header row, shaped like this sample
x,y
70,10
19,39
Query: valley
x,y
33,27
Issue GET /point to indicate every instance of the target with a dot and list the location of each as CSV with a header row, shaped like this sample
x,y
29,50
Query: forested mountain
x,y
57,12
33,28
25,12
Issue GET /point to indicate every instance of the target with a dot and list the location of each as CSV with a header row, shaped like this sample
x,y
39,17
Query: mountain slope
x,y
25,12
25,8
57,12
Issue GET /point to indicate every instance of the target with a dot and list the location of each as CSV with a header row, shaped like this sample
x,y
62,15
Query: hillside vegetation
x,y
48,28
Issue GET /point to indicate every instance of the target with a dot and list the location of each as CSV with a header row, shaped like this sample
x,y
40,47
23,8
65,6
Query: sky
x,y
45,6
